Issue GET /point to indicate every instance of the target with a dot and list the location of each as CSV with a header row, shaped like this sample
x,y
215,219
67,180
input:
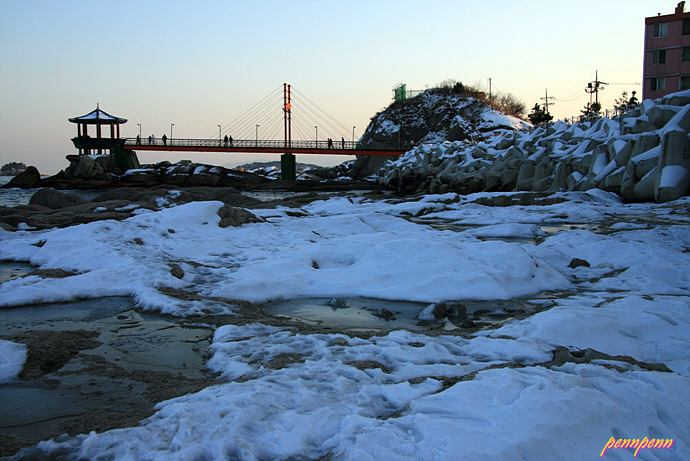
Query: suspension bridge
x,y
273,114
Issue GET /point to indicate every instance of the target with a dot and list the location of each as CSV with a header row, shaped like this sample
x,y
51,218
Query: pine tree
x,y
539,115
591,112
620,105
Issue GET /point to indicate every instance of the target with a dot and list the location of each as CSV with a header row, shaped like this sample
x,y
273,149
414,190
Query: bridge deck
x,y
261,146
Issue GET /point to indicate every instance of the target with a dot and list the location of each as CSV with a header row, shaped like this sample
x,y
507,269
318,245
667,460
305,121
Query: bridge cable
x,y
259,106
343,127
268,114
243,129
307,121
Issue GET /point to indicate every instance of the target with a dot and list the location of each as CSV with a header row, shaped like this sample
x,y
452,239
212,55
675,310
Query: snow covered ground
x,y
494,394
12,358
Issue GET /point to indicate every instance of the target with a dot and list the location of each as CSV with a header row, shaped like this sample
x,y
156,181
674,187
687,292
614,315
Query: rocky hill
x,y
434,116
641,155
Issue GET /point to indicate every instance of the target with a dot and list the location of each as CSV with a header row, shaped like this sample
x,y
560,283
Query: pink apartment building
x,y
666,53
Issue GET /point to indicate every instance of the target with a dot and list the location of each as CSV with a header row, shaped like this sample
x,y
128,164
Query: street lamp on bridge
x,y
171,125
353,134
139,125
316,140
257,136
219,140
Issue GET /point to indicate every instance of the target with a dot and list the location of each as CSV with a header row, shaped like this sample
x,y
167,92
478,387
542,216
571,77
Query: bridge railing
x,y
261,143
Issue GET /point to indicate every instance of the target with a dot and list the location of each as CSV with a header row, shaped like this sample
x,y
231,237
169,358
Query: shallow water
x,y
15,196
104,379
350,313
10,270
358,313
134,340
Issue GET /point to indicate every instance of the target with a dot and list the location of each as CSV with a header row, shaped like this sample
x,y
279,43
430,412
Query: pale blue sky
x,y
201,63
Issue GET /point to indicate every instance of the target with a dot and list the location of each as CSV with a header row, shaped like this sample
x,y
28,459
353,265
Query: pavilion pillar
x,y
85,134
98,136
79,136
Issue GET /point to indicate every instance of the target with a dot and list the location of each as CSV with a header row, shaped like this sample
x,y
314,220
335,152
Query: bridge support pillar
x,y
124,159
288,167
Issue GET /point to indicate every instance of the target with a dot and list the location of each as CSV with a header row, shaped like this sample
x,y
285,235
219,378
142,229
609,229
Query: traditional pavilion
x,y
85,143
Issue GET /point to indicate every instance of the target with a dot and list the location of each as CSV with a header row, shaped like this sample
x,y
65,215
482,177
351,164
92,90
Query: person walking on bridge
x,y
342,141
165,140
330,143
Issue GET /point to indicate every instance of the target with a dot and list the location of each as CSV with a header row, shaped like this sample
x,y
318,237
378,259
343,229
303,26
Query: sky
x,y
200,64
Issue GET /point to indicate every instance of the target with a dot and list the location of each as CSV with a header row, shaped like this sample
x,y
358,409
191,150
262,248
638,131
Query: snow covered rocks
x,y
643,155
431,117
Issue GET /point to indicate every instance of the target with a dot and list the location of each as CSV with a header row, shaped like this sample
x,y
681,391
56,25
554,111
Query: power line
x,y
576,94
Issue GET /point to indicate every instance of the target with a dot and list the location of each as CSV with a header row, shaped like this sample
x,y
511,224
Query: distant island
x,y
12,169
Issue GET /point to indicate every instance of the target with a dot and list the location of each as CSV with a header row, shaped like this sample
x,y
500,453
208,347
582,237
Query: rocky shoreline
x,y
96,172
49,208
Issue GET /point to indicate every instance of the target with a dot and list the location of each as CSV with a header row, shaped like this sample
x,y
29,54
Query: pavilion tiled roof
x,y
97,116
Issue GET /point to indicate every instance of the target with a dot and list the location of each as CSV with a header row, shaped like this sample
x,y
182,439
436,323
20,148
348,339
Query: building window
x,y
658,56
686,26
686,54
658,83
685,82
660,30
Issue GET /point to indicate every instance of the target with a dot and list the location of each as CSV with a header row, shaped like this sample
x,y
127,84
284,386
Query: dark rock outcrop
x,y
233,216
27,179
54,199
51,208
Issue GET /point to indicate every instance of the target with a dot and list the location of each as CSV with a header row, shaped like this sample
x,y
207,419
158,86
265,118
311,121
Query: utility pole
x,y
489,88
547,101
594,88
